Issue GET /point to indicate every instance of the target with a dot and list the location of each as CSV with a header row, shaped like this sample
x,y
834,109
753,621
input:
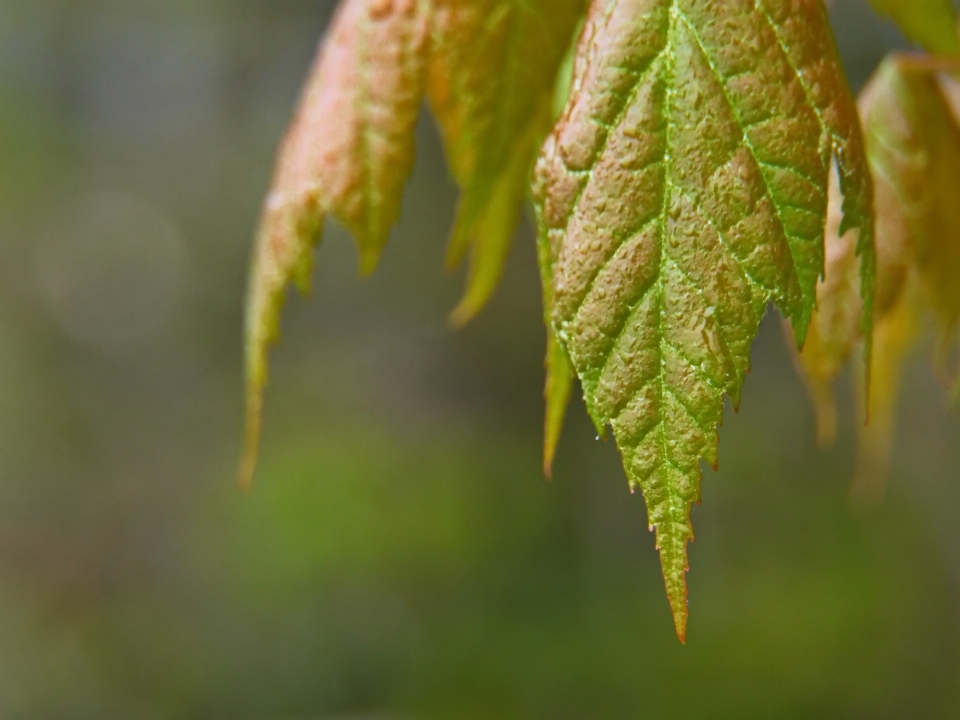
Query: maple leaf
x,y
913,142
913,147
488,68
895,335
684,188
348,153
835,327
491,88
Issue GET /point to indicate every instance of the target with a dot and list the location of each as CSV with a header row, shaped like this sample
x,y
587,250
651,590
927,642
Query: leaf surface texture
x,y
491,88
488,68
683,189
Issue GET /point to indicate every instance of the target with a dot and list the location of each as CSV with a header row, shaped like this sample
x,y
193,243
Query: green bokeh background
x,y
400,555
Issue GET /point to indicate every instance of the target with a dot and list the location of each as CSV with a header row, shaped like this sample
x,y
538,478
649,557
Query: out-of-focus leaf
x,y
561,92
489,68
491,231
348,154
491,87
931,24
684,188
895,335
835,326
560,373
557,392
913,142
913,146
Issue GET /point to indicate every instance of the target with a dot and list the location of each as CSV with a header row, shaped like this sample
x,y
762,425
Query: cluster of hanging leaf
x,y
681,154
910,112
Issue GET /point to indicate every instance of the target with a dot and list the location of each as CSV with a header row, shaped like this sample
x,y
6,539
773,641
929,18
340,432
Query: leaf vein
x,y
686,408
628,99
733,108
723,240
699,371
825,126
616,335
595,275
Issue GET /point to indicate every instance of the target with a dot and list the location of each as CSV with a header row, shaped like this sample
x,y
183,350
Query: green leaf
x,y
913,142
835,327
684,188
913,147
557,392
491,87
559,371
348,153
489,68
931,24
896,335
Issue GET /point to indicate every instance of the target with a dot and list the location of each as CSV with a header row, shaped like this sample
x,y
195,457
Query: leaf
x,y
835,327
913,147
560,373
557,392
489,68
929,23
913,142
895,335
493,228
491,87
348,154
684,188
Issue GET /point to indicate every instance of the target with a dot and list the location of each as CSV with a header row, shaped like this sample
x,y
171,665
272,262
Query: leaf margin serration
x,y
839,125
316,171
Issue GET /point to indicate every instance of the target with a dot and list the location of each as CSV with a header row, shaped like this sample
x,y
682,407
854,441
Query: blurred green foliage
x,y
400,555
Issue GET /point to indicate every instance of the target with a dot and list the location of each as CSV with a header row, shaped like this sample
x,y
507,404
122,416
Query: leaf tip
x,y
825,410
551,439
283,255
248,462
801,326
465,311
548,463
680,615
673,562
484,276
556,393
461,238
481,284
369,259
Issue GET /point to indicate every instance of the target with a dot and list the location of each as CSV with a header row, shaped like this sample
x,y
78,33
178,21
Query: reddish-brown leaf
x,y
347,154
